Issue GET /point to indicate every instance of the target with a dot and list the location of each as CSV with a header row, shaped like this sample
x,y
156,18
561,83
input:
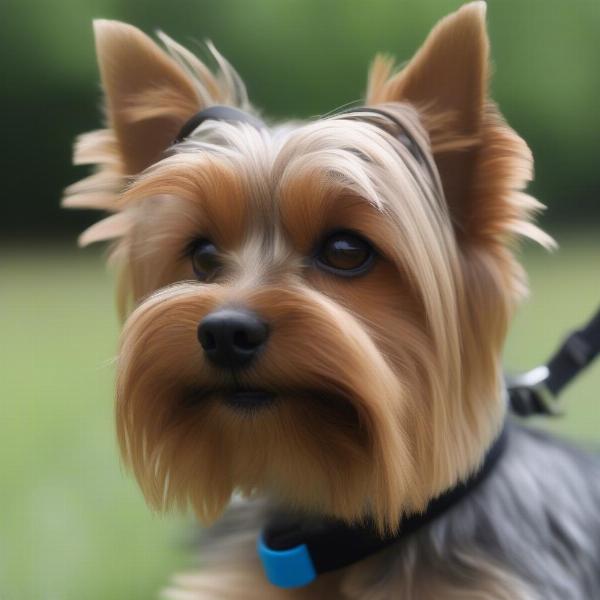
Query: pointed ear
x,y
148,96
449,73
482,162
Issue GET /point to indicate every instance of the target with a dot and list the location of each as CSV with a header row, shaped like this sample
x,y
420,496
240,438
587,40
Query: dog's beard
x,y
333,439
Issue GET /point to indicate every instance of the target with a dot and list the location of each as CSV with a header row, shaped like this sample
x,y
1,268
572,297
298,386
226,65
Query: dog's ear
x,y
449,72
148,96
481,161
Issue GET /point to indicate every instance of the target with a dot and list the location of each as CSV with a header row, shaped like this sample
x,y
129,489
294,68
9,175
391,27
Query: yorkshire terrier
x,y
315,313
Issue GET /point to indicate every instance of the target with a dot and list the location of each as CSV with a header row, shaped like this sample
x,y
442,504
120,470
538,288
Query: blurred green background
x,y
72,524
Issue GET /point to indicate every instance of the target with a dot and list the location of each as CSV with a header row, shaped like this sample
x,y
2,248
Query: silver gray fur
x,y
537,514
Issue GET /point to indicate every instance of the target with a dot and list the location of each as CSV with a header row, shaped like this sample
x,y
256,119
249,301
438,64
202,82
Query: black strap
x,y
217,113
333,544
576,353
535,392
401,135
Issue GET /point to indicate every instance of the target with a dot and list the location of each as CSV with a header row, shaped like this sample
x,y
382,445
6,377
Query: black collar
x,y
294,550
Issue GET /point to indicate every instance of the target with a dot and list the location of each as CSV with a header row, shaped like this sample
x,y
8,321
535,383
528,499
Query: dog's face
x,y
318,308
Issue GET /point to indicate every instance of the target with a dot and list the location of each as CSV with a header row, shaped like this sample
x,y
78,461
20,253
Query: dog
x,y
315,313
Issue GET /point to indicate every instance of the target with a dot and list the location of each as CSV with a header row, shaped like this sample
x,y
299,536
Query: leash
x,y
536,392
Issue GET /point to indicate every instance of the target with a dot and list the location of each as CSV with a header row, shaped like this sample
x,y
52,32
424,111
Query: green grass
x,y
73,525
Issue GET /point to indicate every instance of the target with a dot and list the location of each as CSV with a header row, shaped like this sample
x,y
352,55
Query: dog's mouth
x,y
248,400
238,398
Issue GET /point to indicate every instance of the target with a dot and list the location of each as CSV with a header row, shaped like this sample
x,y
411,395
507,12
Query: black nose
x,y
231,337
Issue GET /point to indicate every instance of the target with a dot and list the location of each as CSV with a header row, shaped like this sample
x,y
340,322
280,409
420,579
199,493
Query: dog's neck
x,y
296,549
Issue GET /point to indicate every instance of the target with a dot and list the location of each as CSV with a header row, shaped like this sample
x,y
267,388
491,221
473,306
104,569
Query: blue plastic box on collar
x,y
287,568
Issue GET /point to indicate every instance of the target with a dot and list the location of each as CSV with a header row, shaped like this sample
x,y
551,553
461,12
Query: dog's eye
x,y
205,259
345,253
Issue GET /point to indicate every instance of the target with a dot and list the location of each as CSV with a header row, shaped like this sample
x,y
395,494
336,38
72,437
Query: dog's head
x,y
316,309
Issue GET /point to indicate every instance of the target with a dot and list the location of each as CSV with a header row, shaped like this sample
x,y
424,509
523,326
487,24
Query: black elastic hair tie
x,y
235,115
217,113
402,136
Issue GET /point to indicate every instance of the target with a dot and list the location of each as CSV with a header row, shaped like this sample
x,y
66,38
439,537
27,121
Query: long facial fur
x,y
389,345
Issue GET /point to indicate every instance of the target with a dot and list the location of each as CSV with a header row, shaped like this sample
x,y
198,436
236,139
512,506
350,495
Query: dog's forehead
x,y
322,156
242,185
345,151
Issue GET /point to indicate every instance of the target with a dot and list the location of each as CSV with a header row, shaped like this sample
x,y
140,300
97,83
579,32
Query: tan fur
x,y
388,385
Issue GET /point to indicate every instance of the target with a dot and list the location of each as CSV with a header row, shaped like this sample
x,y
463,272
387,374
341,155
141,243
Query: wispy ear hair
x,y
483,164
150,94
